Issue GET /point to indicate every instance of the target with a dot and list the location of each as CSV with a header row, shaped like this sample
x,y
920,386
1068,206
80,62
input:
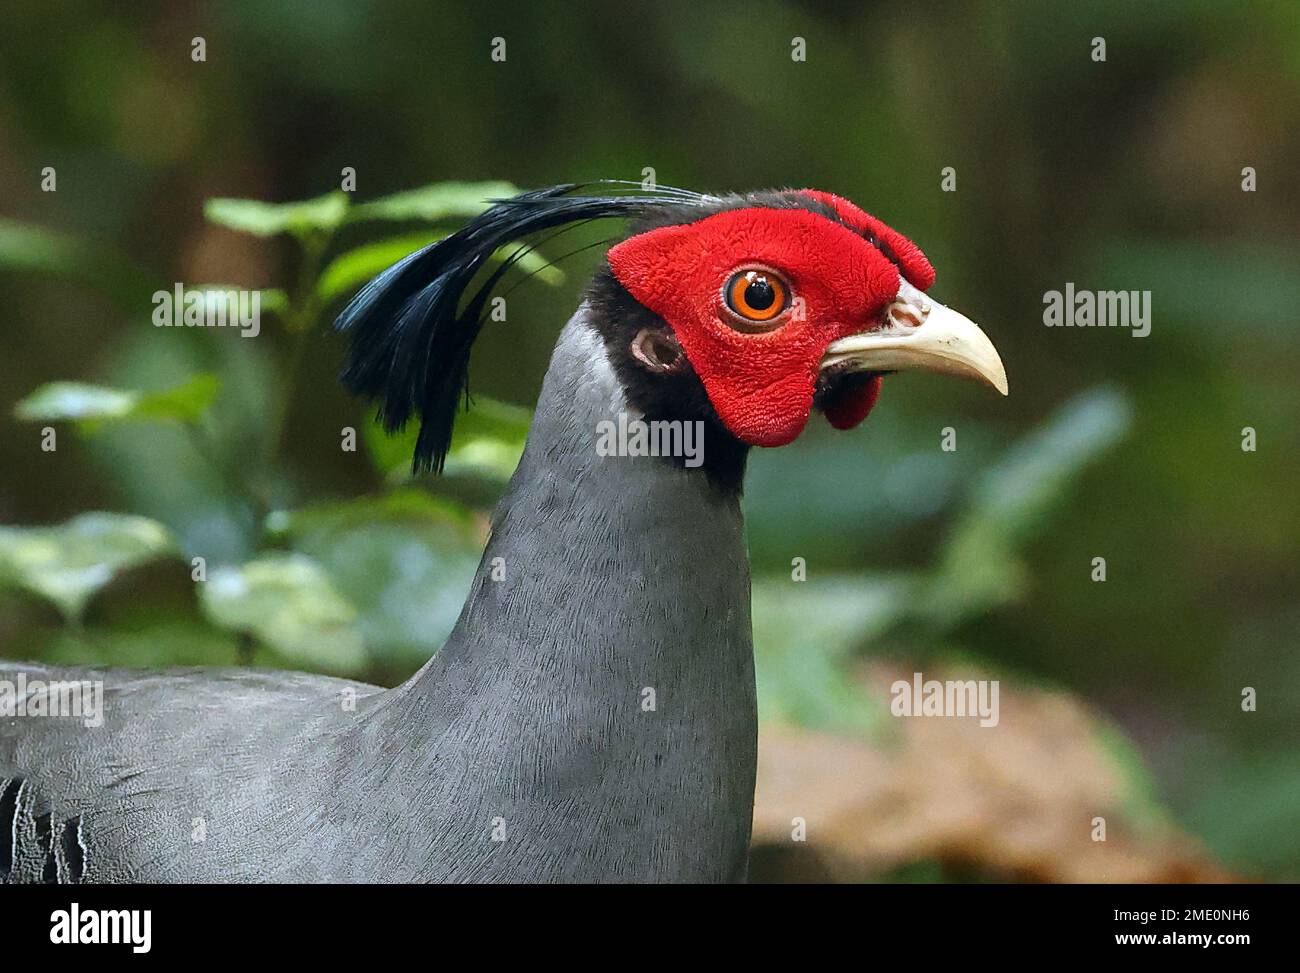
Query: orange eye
x,y
757,295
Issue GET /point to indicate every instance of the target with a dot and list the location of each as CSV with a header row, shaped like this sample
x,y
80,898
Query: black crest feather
x,y
412,327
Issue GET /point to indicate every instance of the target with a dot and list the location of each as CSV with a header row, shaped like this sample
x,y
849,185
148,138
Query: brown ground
x,y
1012,802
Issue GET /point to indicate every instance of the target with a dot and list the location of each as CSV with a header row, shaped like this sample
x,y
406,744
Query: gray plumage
x,y
620,575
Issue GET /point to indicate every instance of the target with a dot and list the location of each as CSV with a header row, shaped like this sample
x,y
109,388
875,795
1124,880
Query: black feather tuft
x,y
412,327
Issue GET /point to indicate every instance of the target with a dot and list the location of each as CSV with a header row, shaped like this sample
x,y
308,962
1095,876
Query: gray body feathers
x,y
525,750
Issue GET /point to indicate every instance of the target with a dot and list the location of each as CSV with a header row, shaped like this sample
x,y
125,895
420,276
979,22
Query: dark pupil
x,y
759,294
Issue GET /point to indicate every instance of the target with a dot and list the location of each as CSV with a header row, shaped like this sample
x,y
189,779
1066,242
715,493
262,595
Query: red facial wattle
x,y
847,407
761,383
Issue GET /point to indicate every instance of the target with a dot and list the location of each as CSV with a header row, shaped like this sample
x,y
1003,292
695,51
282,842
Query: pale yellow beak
x,y
919,332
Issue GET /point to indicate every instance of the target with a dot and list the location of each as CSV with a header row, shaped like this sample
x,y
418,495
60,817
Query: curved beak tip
x,y
920,333
999,379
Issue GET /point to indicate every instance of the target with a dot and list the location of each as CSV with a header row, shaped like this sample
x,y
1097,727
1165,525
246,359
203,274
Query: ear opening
x,y
413,326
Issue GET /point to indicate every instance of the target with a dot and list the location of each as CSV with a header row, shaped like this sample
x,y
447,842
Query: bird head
x,y
747,310
780,301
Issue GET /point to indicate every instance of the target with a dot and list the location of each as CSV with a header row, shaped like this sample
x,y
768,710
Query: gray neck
x,y
597,694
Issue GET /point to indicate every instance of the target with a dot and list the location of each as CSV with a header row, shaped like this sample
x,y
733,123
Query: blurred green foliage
x,y
369,586
91,404
68,563
1122,174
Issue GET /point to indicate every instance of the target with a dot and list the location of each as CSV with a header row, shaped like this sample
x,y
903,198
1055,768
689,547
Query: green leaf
x,y
805,634
226,297
405,560
274,300
29,247
25,247
981,565
437,201
63,401
403,506
207,498
68,563
488,441
270,219
185,403
146,644
287,602
1021,490
80,402
349,270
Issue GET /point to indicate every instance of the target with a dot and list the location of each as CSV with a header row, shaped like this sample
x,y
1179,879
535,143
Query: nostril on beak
x,y
908,310
904,315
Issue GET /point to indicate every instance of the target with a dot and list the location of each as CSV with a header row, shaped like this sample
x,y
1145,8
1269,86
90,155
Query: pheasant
x,y
592,716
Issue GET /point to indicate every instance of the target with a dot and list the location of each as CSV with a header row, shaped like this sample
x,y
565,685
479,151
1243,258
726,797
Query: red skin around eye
x,y
761,385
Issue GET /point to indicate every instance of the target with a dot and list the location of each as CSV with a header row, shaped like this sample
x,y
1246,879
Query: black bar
x,y
334,922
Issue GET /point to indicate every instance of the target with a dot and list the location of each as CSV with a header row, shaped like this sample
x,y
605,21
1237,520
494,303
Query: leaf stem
x,y
300,320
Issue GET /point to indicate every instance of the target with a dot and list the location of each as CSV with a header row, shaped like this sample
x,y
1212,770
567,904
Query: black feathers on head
x,y
412,327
